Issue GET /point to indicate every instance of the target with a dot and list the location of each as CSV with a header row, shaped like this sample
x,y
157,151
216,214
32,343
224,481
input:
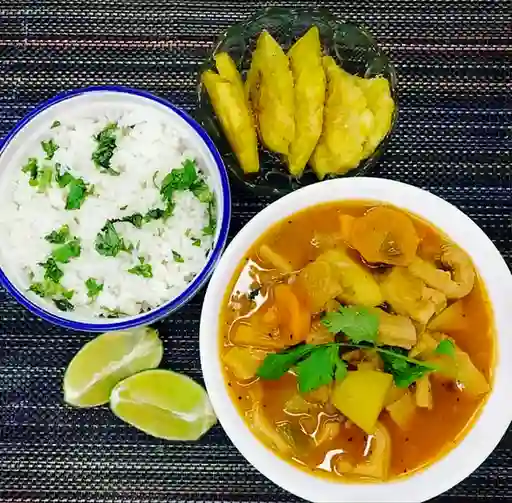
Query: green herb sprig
x,y
446,347
60,236
32,168
317,365
187,178
67,251
179,179
177,257
143,269
209,230
48,288
63,304
106,143
112,313
138,220
109,243
49,147
93,288
78,188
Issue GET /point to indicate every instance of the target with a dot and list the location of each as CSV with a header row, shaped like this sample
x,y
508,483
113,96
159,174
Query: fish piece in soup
x,y
319,334
243,361
426,345
319,279
378,463
328,431
274,259
253,334
455,283
424,393
409,296
395,330
264,427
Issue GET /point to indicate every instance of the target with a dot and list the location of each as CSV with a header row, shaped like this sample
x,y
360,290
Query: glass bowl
x,y
353,48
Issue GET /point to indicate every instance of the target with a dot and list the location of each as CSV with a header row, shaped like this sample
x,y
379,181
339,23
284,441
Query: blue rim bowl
x,y
214,256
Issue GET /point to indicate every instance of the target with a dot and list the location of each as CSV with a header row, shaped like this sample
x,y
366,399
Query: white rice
x,y
145,145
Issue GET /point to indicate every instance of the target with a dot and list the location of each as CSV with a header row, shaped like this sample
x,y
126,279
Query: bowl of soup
x,y
354,342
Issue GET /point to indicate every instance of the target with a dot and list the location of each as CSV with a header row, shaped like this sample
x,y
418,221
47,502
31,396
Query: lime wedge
x,y
106,360
163,404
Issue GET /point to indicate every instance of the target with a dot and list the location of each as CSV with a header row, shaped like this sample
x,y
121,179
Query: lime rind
x,y
155,402
90,376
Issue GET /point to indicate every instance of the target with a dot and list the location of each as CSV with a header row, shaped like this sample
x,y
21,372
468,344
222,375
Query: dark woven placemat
x,y
453,59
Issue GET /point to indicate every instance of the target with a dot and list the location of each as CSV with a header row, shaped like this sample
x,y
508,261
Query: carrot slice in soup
x,y
384,235
295,318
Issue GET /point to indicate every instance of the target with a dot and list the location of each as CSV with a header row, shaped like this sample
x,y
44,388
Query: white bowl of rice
x,y
114,209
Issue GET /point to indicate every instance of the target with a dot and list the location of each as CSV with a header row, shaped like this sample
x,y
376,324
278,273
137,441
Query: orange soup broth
x,y
431,433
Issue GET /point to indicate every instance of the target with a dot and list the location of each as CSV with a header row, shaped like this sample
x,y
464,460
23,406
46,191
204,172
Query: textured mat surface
x,y
453,59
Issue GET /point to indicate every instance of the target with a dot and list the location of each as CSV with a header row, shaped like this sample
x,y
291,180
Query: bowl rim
x,y
213,258
494,416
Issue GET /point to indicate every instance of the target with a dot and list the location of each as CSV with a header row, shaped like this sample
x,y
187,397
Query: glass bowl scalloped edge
x,y
349,43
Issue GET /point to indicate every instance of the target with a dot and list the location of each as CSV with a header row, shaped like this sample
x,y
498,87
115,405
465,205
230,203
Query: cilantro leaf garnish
x,y
44,288
66,252
93,288
177,257
106,144
317,365
44,178
67,294
169,209
405,370
201,190
108,242
63,179
58,237
319,368
275,365
196,242
49,147
32,169
112,313
154,214
144,270
446,347
78,191
52,271
136,220
48,288
63,304
209,230
55,124
78,188
179,179
357,323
